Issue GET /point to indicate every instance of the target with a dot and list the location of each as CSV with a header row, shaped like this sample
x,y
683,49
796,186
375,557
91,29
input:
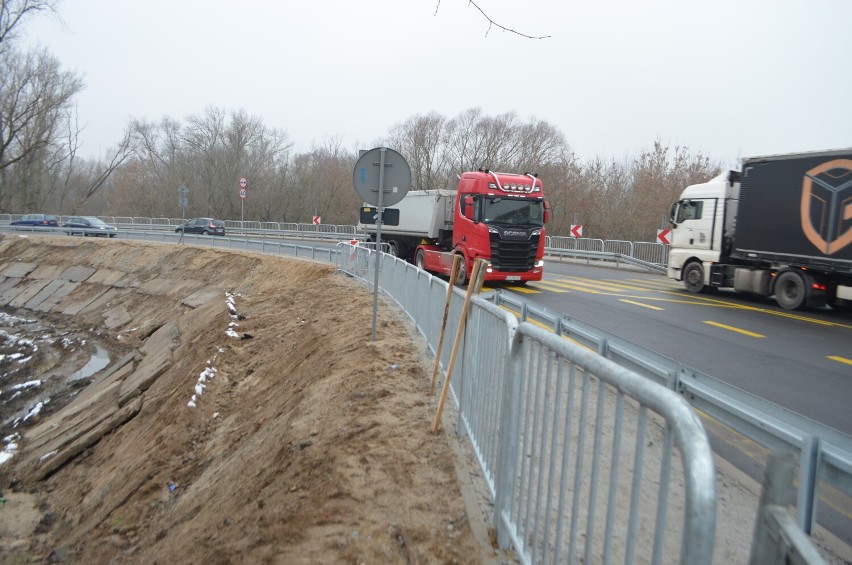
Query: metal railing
x,y
564,437
825,454
649,255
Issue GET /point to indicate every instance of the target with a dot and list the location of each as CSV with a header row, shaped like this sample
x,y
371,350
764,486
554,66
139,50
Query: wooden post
x,y
471,289
453,274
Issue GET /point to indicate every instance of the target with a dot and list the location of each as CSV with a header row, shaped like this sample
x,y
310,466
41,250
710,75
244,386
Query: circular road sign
x,y
396,180
242,193
243,182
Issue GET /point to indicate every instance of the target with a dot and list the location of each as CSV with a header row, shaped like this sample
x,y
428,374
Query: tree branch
x,y
492,23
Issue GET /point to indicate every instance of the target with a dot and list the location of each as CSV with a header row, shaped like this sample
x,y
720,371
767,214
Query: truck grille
x,y
513,255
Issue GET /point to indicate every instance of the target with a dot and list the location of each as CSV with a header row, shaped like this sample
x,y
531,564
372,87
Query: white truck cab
x,y
702,224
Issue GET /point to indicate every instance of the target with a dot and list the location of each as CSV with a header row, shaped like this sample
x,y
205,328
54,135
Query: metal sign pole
x,y
382,153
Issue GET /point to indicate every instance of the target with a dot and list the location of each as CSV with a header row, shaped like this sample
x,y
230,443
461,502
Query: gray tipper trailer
x,y
423,214
781,226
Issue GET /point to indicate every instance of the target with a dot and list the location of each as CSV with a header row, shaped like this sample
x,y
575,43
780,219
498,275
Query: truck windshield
x,y
518,212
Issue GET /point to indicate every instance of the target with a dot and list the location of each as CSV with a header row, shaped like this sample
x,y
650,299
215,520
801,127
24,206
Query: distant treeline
x,y
141,175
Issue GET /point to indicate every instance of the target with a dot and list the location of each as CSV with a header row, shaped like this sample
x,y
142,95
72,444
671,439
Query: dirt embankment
x,y
245,416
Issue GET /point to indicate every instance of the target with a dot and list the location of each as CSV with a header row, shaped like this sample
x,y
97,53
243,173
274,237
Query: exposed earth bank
x,y
245,415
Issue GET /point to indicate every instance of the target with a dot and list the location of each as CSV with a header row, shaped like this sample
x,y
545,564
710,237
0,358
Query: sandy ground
x,y
309,444
246,417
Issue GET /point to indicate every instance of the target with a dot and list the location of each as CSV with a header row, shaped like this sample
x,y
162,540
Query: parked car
x,y
36,220
205,226
89,225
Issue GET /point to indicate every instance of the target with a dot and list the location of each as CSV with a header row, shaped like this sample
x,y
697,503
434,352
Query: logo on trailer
x,y
826,208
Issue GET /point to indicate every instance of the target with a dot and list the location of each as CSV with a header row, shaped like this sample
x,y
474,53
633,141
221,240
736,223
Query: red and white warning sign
x,y
576,230
663,236
317,220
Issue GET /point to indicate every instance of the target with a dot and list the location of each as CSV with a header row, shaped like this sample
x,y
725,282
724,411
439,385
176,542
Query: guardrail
x,y
649,255
825,454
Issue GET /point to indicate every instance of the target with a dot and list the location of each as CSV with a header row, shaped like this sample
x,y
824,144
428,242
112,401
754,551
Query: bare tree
x,y
422,139
36,102
13,12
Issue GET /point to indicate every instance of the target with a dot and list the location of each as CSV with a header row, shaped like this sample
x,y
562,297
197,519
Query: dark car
x,y
37,220
205,226
89,225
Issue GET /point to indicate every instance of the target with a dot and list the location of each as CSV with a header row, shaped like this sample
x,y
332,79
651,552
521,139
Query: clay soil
x,y
309,443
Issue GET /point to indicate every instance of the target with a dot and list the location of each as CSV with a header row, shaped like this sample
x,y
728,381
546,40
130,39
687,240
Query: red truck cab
x,y
498,217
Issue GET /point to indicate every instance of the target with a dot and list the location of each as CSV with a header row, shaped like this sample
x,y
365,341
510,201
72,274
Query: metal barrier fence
x,y
825,454
576,450
646,252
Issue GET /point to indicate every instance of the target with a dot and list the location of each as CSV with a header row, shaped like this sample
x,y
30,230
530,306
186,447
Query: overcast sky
x,y
730,78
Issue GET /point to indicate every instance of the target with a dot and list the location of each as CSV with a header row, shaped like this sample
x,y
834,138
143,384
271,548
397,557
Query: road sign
x,y
663,236
577,230
243,193
243,182
395,182
317,220
183,194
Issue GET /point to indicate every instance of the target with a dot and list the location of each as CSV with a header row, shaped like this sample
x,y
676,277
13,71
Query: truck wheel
x,y
790,291
393,248
461,278
693,277
420,259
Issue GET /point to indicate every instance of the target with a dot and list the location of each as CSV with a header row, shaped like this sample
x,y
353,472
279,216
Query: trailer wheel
x,y
790,290
420,259
693,277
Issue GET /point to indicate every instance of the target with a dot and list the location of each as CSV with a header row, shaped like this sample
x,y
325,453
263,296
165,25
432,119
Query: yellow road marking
x,y
548,286
733,329
840,359
640,304
525,290
595,284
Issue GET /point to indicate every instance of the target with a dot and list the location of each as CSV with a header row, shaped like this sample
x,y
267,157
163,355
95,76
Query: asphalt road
x,y
799,360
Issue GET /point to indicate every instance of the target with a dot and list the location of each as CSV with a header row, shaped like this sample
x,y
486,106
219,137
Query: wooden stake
x,y
453,274
471,289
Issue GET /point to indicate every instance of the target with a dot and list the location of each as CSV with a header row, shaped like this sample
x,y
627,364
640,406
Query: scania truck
x,y
498,217
782,226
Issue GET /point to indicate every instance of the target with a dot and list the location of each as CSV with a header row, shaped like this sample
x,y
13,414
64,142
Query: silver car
x,y
89,225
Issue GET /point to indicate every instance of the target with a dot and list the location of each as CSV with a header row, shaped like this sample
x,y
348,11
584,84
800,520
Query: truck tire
x,y
791,293
693,277
393,248
461,278
420,259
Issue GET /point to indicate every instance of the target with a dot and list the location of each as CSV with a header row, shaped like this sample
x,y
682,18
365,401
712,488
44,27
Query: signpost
x,y
183,199
381,177
577,230
663,236
243,194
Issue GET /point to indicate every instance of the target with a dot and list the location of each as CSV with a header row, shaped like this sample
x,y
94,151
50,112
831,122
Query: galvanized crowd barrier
x,y
577,451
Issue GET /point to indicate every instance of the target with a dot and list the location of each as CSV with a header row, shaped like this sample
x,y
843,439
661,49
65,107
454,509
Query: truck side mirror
x,y
467,207
673,213
546,211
